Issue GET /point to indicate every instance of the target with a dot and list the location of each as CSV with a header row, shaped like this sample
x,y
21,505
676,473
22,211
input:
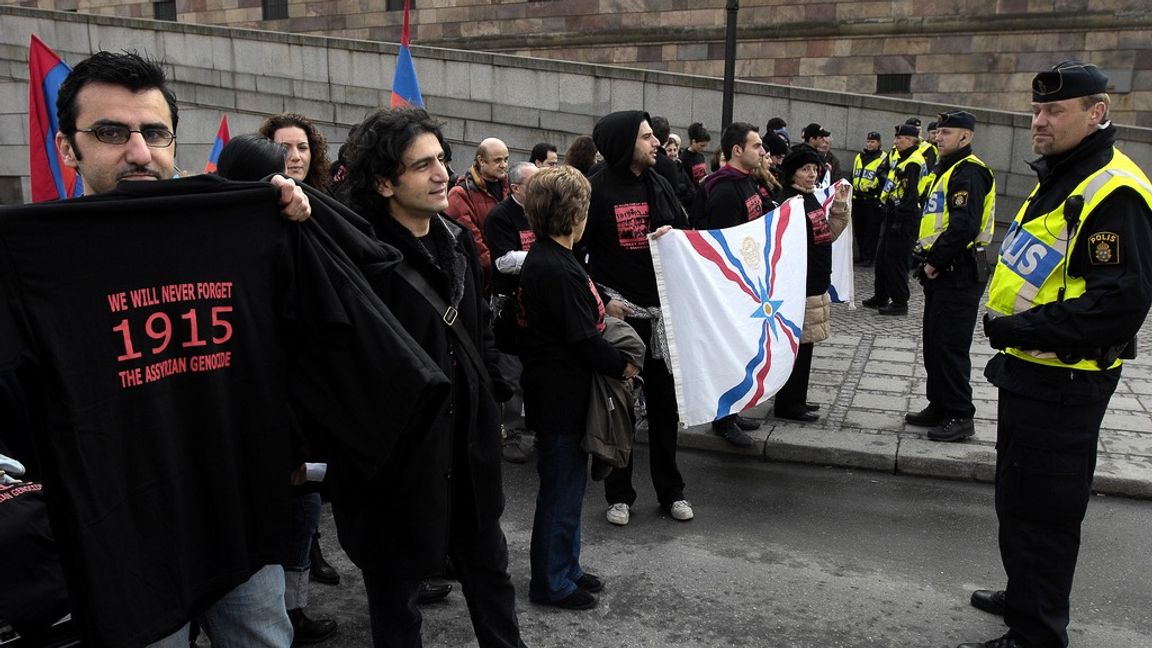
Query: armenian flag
x,y
50,178
405,87
222,138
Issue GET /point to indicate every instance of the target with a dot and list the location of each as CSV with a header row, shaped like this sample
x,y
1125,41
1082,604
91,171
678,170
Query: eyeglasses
x,y
110,134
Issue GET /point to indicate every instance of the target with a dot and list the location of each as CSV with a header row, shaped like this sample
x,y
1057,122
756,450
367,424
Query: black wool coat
x,y
396,524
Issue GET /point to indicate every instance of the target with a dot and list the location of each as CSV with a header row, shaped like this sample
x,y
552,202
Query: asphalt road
x,y
791,556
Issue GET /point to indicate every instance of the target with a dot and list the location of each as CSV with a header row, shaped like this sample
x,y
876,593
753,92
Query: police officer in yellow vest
x,y
956,226
900,198
867,180
1069,294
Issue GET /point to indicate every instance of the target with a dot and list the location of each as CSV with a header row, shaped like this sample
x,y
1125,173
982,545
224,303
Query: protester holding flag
x,y
561,347
803,167
629,201
250,157
307,148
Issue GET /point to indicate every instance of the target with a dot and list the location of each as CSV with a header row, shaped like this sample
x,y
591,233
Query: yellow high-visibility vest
x,y
864,178
935,218
895,191
1033,265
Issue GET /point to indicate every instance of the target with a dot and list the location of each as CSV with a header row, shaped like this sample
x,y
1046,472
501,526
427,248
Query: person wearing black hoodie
x,y
732,198
629,201
443,493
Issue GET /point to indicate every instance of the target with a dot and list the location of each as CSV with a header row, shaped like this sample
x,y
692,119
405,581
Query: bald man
x,y
477,192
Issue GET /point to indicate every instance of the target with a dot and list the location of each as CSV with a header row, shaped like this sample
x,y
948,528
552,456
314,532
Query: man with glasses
x,y
118,122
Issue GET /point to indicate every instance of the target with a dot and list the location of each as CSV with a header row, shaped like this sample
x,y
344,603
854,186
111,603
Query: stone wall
x,y
249,74
962,52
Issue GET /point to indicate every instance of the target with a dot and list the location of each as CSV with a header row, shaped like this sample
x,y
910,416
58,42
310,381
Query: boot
x,y
321,571
309,631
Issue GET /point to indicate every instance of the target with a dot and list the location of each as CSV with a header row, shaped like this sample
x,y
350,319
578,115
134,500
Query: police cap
x,y
1068,80
873,135
957,119
907,129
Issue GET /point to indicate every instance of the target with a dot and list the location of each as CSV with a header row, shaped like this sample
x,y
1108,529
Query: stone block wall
x,y
249,74
960,52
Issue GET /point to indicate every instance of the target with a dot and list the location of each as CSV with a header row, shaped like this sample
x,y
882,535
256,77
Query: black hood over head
x,y
615,137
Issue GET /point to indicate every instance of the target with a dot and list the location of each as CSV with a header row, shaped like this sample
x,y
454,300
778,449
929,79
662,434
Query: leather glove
x,y
996,330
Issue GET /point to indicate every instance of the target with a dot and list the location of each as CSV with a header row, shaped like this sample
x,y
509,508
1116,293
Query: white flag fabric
x,y
843,288
733,310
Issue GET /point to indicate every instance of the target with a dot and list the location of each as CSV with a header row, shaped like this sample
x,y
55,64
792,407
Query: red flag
x,y
51,179
222,138
405,87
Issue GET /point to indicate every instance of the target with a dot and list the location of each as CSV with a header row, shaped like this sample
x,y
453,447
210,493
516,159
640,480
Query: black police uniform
x,y
897,236
952,299
1049,417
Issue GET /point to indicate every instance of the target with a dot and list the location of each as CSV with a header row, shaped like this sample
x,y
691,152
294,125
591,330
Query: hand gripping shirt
x,y
154,328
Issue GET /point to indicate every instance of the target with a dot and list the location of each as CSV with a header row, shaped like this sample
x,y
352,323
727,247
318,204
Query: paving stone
x,y
1125,403
885,383
890,355
700,437
1123,475
871,420
1126,443
880,401
895,343
840,448
967,460
889,368
1141,422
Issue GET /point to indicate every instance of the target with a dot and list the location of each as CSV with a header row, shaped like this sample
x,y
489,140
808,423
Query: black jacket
x,y
1117,295
733,198
950,252
397,524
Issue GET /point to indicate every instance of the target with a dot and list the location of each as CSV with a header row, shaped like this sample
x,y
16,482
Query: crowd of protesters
x,y
528,290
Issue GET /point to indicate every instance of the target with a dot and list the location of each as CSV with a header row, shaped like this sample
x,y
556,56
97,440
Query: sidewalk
x,y
870,373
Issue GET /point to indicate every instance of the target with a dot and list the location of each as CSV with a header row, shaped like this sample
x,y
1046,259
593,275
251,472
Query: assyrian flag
x,y
405,87
50,178
733,308
222,138
843,288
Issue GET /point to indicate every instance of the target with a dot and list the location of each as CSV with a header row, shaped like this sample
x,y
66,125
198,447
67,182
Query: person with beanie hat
x,y
1063,327
867,178
801,171
630,201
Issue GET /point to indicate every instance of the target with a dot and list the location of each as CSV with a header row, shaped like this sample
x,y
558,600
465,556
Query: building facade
x,y
959,52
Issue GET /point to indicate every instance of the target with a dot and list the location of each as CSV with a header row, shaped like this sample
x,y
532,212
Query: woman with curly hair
x,y
307,148
581,154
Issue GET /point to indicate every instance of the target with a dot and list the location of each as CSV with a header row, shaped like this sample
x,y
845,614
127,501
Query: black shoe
x,y
579,600
309,631
512,451
747,424
874,302
1002,642
731,432
893,309
803,417
952,429
432,592
811,407
991,601
321,571
927,417
590,583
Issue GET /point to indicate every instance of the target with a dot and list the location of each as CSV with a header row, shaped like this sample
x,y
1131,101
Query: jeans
x,y
251,615
563,469
305,518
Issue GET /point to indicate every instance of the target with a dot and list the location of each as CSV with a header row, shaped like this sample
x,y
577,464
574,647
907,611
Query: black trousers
x,y
663,427
1045,457
479,555
950,308
793,396
893,259
867,215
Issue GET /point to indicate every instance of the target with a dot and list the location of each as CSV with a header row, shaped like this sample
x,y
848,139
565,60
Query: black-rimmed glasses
x,y
154,137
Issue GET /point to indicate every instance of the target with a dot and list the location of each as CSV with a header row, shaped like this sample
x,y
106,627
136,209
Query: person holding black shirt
x,y
443,493
802,170
561,347
629,201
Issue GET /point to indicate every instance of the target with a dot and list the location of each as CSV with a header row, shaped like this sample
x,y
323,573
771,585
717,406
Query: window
x,y
274,9
893,83
164,10
398,5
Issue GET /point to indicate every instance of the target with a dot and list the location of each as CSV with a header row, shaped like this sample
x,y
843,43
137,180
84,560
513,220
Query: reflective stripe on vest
x,y
892,190
864,177
935,219
1032,267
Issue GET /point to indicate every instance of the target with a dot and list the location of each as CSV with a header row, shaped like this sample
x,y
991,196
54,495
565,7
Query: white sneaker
x,y
619,515
681,510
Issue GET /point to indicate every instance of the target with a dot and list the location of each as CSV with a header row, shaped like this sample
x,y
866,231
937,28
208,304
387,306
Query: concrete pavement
x,y
870,373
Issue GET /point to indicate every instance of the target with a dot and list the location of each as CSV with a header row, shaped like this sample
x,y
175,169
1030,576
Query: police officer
x,y
901,200
1069,294
866,184
956,226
